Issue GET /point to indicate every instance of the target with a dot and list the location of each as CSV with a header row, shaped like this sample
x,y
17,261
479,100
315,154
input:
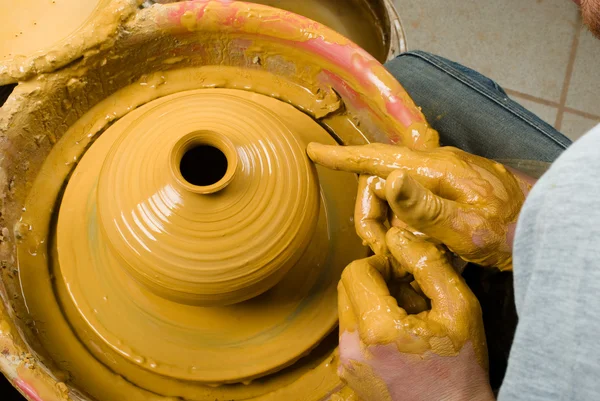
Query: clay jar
x,y
235,226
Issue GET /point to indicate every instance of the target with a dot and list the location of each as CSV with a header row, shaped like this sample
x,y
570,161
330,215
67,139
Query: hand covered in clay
x,y
469,203
387,354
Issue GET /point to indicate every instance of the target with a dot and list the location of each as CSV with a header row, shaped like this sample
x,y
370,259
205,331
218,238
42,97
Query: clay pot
x,y
125,277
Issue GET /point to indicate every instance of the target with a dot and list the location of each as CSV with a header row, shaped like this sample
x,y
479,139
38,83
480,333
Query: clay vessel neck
x,y
203,162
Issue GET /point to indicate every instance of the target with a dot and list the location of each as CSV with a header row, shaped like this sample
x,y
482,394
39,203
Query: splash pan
x,y
166,236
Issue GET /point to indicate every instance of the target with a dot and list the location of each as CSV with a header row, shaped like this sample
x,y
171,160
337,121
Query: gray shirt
x,y
556,350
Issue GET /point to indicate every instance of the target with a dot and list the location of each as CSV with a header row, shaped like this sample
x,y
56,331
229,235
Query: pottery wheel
x,y
196,240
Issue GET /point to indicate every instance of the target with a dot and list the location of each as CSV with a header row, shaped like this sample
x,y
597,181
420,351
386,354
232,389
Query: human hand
x,y
469,203
373,217
387,354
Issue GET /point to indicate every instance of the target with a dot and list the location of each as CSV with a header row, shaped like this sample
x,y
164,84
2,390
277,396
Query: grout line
x,y
531,97
585,114
545,102
535,99
568,75
550,103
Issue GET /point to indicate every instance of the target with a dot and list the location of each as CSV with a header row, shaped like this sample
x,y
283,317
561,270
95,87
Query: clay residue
x,y
39,36
35,384
353,19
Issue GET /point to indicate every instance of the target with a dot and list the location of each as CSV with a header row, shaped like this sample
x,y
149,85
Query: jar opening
x,y
203,165
204,162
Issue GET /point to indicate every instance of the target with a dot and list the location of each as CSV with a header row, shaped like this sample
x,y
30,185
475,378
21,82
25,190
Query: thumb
x,y
426,212
376,312
450,296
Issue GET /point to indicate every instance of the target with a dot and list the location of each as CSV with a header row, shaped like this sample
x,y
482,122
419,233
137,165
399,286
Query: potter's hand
x,y
372,218
387,354
469,203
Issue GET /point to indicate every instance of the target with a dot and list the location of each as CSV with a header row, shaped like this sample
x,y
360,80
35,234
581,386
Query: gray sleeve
x,y
556,350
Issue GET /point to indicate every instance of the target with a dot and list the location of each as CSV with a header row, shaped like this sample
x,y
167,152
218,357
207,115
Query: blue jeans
x,y
472,112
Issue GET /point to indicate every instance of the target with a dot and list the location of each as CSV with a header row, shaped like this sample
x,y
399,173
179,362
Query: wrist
x,y
525,181
510,235
482,392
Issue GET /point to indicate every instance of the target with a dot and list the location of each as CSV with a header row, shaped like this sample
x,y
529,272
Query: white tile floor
x,y
537,50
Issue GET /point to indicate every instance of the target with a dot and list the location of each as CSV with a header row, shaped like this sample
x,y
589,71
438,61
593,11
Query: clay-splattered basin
x,y
34,44
163,50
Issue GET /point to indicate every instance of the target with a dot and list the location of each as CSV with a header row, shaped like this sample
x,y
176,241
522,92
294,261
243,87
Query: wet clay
x,y
25,29
353,19
453,305
215,244
38,36
465,201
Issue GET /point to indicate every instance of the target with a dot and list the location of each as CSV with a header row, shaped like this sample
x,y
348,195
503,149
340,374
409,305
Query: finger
x,y
373,159
433,272
376,311
415,286
428,213
347,319
377,186
409,300
370,216
396,222
430,168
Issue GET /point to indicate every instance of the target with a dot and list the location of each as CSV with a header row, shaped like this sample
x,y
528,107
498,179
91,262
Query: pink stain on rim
x,y
347,56
354,99
176,10
232,17
362,66
27,390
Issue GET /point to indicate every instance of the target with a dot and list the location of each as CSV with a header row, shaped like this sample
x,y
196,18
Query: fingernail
x,y
395,184
310,149
315,149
